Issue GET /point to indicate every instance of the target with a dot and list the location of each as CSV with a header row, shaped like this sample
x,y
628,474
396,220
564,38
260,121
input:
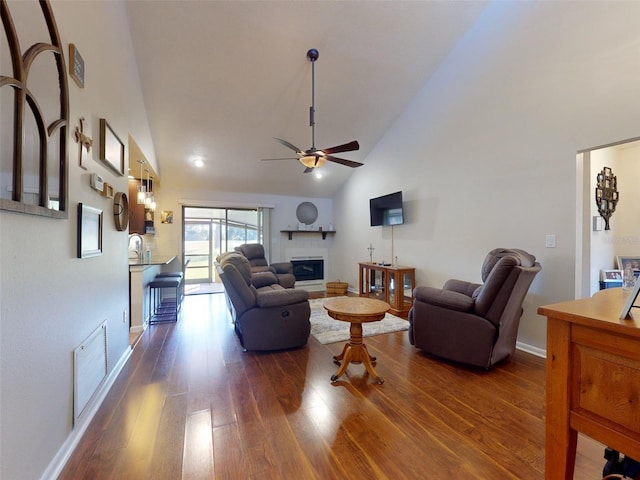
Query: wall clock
x,y
121,211
606,194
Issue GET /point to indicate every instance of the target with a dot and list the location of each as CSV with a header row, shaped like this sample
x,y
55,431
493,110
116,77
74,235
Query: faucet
x,y
138,245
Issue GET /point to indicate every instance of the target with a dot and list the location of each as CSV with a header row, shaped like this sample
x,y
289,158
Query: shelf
x,y
323,232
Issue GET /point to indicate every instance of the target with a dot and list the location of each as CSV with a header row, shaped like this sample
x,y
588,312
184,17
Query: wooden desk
x,y
392,284
593,378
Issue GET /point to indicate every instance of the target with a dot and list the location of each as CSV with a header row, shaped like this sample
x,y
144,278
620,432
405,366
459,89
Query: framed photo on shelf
x,y
89,231
610,276
623,261
629,304
111,148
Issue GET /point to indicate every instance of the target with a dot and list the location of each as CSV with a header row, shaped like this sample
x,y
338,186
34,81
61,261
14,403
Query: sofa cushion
x,y
240,262
281,296
444,298
255,253
263,279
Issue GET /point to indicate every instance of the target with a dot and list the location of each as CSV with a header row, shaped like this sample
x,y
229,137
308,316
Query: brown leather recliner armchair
x,y
254,252
475,324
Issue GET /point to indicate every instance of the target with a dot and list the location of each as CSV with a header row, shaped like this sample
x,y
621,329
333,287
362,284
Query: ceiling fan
x,y
314,157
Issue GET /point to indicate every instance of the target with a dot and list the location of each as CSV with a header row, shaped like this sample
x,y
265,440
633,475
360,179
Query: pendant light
x,y
149,196
150,202
142,190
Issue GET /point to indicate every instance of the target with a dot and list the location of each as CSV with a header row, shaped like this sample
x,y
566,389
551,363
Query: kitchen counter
x,y
155,260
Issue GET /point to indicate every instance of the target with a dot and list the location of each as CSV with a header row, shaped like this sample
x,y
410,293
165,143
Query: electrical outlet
x,y
124,316
550,241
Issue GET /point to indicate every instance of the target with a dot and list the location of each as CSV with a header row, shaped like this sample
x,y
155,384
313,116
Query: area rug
x,y
327,330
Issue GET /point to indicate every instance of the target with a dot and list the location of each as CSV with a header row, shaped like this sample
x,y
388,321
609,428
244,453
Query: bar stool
x,y
174,275
164,309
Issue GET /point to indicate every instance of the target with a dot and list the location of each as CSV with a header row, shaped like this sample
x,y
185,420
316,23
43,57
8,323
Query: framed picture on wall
x,y
89,231
111,148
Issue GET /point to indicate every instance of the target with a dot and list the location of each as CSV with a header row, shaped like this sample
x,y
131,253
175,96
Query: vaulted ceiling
x,y
222,78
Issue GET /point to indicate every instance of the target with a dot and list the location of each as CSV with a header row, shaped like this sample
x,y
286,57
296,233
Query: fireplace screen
x,y
311,269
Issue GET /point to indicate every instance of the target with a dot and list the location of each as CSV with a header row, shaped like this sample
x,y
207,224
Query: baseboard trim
x,y
59,461
139,328
537,351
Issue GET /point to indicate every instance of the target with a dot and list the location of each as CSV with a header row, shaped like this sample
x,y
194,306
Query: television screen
x,y
386,210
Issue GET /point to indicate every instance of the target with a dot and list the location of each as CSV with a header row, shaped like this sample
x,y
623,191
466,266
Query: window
x,y
208,232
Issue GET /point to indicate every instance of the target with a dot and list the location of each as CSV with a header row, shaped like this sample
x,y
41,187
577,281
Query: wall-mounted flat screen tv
x,y
386,210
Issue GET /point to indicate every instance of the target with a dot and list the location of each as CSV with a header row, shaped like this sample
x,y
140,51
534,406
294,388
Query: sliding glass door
x,y
208,232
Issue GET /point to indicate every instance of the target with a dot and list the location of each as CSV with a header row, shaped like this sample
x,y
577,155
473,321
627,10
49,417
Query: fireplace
x,y
308,269
309,266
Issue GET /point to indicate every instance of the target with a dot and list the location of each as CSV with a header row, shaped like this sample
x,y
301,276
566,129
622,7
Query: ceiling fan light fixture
x,y
312,161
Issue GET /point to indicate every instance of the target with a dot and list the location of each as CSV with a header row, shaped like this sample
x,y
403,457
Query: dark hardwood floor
x,y
190,404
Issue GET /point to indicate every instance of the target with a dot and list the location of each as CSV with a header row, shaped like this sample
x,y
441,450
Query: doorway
x,y
597,249
207,232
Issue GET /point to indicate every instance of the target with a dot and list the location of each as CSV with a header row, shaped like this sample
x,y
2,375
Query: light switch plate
x,y
550,241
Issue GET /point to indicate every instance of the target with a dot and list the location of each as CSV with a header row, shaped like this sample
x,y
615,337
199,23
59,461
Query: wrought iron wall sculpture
x,y
606,194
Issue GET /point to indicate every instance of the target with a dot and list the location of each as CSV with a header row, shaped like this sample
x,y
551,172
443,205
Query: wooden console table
x,y
593,378
391,284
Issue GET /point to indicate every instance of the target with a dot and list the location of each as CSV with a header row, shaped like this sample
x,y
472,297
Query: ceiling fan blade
x,y
308,170
289,145
342,161
347,147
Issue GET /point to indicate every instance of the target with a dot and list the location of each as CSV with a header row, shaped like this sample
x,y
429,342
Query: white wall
x,y
50,299
485,153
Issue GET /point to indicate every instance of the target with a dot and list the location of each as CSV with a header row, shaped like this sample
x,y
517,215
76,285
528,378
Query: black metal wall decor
x,y
606,194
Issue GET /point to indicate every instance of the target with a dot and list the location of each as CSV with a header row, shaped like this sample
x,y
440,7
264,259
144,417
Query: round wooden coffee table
x,y
356,310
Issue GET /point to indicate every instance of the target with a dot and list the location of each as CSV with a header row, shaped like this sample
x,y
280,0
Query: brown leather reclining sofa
x,y
266,315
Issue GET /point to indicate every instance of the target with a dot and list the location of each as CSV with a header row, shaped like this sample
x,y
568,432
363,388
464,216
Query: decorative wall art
x,y
166,216
83,141
307,213
606,194
111,148
89,231
38,117
76,65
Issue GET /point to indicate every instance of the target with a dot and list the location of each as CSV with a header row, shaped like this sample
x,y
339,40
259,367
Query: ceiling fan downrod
x,y
314,158
313,55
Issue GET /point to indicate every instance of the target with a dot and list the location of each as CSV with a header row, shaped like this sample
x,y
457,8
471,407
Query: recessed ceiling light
x,y
198,163
318,175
